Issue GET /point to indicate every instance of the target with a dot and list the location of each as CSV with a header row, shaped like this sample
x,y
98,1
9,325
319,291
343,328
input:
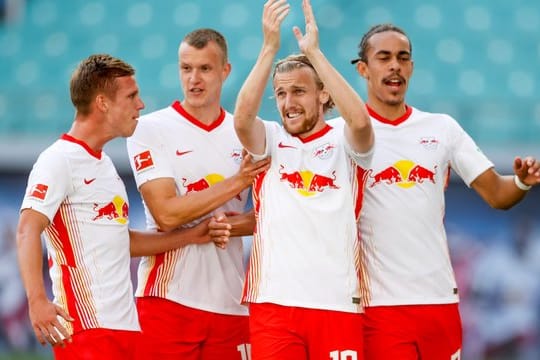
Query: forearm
x,y
30,256
145,243
243,224
499,192
175,211
249,130
349,104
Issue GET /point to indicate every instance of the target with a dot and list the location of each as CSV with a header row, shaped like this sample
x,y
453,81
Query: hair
x,y
201,37
96,74
297,61
363,46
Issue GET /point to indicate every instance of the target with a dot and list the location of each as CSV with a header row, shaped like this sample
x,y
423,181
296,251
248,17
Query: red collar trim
x,y
401,119
316,135
180,109
67,137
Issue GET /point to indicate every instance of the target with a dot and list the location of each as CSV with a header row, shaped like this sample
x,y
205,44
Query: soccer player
x,y
302,286
412,297
77,200
189,165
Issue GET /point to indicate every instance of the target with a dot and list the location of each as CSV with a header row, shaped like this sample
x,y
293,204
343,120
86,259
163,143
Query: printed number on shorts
x,y
456,355
245,351
343,355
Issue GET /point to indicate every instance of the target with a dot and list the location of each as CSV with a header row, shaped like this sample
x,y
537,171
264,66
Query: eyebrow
x,y
387,52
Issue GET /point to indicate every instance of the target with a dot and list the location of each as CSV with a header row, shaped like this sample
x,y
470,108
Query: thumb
x,y
297,33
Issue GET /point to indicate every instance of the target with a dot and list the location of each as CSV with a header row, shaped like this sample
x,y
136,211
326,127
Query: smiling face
x,y
202,74
300,101
387,69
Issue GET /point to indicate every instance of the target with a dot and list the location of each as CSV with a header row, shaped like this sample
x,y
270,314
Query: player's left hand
x,y
310,40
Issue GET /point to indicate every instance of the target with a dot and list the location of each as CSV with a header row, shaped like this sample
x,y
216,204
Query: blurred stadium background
x,y
478,61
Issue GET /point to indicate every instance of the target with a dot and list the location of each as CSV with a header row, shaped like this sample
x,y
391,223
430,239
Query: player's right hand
x,y
249,170
47,328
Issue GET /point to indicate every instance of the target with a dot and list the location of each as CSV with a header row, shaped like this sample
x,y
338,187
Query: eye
x,y
405,58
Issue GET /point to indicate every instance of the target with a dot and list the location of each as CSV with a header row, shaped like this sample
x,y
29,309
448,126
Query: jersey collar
x,y
396,122
67,137
180,109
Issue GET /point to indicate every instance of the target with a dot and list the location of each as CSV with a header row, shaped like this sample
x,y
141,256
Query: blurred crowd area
x,y
495,254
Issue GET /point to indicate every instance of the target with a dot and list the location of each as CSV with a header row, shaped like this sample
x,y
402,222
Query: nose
x,y
394,64
287,100
140,104
195,75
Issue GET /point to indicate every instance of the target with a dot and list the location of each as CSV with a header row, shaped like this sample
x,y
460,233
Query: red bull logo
x,y
405,174
308,183
117,210
203,183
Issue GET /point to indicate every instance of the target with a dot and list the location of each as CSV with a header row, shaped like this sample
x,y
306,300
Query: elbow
x,y
500,205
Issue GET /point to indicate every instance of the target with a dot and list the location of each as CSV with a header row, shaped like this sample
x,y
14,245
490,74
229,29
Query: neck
x,y
387,111
84,129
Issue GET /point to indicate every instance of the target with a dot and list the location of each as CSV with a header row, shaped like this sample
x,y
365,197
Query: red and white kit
x,y
409,263
305,249
87,240
170,143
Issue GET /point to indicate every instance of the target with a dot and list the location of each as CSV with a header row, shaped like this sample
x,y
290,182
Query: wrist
x,y
520,184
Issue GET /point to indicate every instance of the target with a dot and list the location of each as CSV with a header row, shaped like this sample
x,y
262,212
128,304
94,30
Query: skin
x,y
298,100
202,73
109,118
387,71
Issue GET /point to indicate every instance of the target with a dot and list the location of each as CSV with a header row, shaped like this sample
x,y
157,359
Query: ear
x,y
324,96
361,68
101,103
227,70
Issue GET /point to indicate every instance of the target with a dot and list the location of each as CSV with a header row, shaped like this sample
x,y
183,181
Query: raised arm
x,y
349,104
249,127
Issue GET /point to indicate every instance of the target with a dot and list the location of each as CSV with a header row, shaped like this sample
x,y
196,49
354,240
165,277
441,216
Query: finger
x,y
282,13
61,333
40,336
308,11
53,336
216,235
221,244
64,314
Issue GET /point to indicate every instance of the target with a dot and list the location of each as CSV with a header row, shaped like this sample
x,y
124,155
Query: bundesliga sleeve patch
x,y
38,191
143,161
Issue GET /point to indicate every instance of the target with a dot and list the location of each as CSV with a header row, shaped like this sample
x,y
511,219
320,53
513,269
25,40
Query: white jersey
x,y
87,239
402,231
305,248
170,143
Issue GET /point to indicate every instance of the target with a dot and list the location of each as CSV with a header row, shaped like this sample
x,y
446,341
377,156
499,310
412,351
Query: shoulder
x,y
431,116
